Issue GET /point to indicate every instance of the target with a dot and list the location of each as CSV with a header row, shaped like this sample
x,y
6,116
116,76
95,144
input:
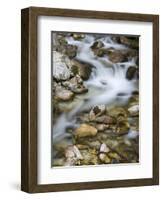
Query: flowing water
x,y
106,82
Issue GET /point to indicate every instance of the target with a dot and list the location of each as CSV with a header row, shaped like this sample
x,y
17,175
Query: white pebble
x,y
104,148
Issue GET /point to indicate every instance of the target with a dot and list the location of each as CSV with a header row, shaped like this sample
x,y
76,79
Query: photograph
x,y
90,99
95,99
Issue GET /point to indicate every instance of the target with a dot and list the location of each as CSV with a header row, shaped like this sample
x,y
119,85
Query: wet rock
x,y
99,52
82,69
76,85
97,45
78,36
89,157
54,85
104,158
70,50
132,53
112,127
101,127
85,130
80,89
70,162
97,48
102,136
73,82
63,94
134,122
72,155
134,100
127,141
122,127
105,119
104,148
135,92
117,56
127,153
134,110
116,112
95,144
112,143
82,146
96,111
84,117
61,66
121,118
62,145
88,141
114,155
115,39
109,131
58,162
62,46
132,42
55,110
131,72
73,152
59,40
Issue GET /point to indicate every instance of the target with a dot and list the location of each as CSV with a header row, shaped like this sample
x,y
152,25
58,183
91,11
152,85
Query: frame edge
x,y
156,100
24,99
28,102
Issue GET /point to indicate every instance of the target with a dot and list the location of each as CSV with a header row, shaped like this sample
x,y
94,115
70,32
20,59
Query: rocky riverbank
x,y
95,99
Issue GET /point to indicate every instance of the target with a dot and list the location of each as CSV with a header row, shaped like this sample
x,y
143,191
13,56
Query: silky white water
x,y
107,81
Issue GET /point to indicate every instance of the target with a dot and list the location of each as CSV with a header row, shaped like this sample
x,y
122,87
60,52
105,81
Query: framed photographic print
x,y
90,99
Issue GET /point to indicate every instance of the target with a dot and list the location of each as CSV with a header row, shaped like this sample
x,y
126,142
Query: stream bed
x,y
95,99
